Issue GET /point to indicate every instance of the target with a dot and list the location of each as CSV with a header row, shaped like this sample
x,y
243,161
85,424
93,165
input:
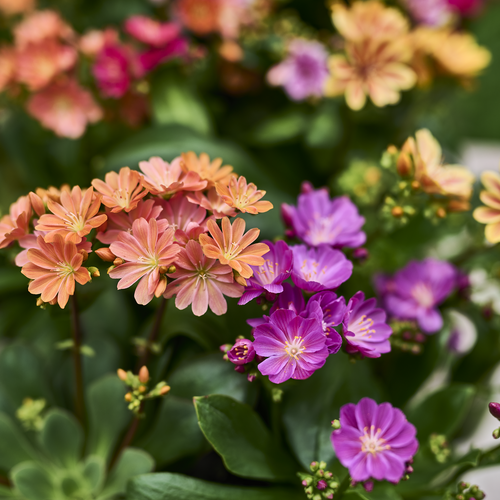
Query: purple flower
x,y
430,12
303,72
111,71
365,327
318,269
318,220
242,352
495,410
417,291
270,276
329,310
374,441
294,346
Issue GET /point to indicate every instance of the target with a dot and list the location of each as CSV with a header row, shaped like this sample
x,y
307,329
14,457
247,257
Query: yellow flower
x,y
490,214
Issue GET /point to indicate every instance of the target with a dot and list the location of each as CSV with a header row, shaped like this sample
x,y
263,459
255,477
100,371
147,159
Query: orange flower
x,y
7,67
121,191
37,65
199,16
244,197
434,176
12,7
371,19
371,67
232,247
490,214
167,179
211,171
15,225
212,202
74,217
39,26
54,269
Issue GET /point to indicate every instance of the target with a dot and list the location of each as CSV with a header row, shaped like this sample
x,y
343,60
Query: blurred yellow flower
x,y
490,214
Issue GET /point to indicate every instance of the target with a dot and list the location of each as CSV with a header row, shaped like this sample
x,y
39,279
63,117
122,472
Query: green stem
x,y
344,486
127,440
77,360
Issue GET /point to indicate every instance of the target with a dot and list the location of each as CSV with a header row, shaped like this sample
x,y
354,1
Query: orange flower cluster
x,y
153,222
383,56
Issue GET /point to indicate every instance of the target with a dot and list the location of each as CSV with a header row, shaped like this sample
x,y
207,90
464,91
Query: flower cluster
x,y
297,337
161,227
490,214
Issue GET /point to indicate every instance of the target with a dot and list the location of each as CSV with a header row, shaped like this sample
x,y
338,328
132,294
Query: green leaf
x,y
94,473
62,438
34,482
131,463
280,128
166,486
245,444
14,447
442,412
108,415
175,101
325,128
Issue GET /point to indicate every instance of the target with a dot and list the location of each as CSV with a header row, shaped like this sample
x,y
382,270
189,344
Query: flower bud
x,y
322,465
441,213
164,390
415,185
94,272
314,466
360,254
368,486
329,495
309,490
225,348
171,269
242,352
392,150
105,254
496,433
307,481
404,165
39,302
251,377
118,262
143,375
84,254
397,211
128,397
142,388
336,424
321,485
37,204
122,374
495,410
239,279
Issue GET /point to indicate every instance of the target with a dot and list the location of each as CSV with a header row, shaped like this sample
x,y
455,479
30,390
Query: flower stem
x,y
153,335
127,439
77,360
344,485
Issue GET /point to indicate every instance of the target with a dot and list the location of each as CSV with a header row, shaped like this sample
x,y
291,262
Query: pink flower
x,y
151,58
201,282
122,221
150,31
92,42
147,253
39,26
65,108
15,226
55,267
112,71
182,214
167,179
38,64
213,203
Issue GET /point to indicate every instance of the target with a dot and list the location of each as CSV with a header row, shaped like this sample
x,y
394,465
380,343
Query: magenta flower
x,y
466,7
151,58
303,72
329,310
430,12
111,71
242,352
374,441
318,269
269,277
201,282
365,327
150,31
318,220
417,291
294,346
495,410
146,252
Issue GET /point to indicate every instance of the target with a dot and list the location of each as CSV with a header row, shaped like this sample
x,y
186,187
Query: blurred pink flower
x,y
7,67
39,26
147,253
213,203
151,58
64,107
150,31
201,282
15,225
112,71
12,7
92,42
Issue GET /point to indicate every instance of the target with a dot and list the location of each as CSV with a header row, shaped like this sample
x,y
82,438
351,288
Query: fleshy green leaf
x,y
166,486
245,444
34,482
94,472
62,438
14,447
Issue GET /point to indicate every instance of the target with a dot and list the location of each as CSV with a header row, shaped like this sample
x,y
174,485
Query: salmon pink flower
x,y
123,221
37,65
294,346
201,282
213,203
146,252
490,214
41,25
74,217
12,7
15,225
231,246
93,41
182,214
166,179
7,67
150,31
199,16
374,441
64,107
54,267
243,197
122,191
211,171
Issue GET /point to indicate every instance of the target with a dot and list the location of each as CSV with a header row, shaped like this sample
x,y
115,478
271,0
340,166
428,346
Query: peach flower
x,y
244,197
212,202
39,26
211,171
12,7
121,191
15,225
199,16
65,108
54,268
490,214
74,217
232,247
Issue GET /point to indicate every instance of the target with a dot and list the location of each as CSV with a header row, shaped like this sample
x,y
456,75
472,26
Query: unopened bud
x,y
307,481
495,410
441,213
397,211
143,375
84,254
164,390
336,424
128,397
105,254
251,377
317,497
94,272
322,465
415,185
314,466
321,472
39,302
404,165
225,347
308,490
321,485
496,434
392,150
171,269
368,486
163,269
328,475
239,279
110,268
328,495
142,388
118,261
122,374
463,486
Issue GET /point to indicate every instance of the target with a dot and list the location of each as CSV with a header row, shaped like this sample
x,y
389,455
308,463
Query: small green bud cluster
x,y
468,492
321,484
439,447
30,414
140,393
407,336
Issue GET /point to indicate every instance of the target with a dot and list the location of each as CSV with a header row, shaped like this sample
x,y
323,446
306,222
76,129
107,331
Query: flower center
x,y
422,293
151,260
232,252
371,442
63,269
310,270
266,272
241,351
322,229
122,197
363,327
75,222
295,348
